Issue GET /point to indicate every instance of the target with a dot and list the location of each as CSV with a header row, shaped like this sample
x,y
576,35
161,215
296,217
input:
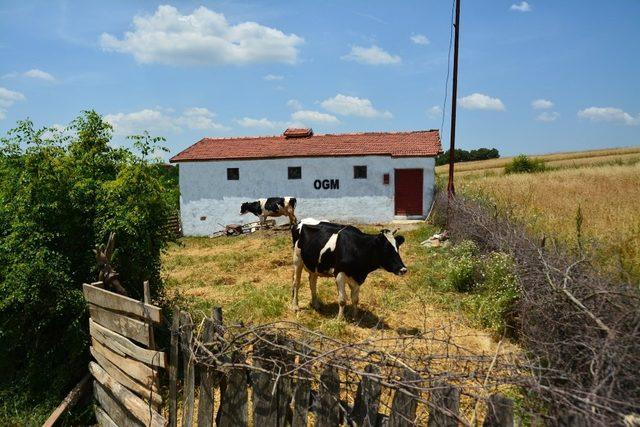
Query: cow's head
x,y
390,255
244,208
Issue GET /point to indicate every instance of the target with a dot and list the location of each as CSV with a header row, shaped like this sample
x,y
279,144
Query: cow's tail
x,y
293,202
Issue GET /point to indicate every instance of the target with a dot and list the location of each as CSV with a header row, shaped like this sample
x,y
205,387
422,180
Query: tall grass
x,y
607,199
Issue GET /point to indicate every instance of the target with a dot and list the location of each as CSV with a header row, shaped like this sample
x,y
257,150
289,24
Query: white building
x,y
351,178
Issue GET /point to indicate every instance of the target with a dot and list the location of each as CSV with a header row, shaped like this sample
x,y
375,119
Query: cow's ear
x,y
399,240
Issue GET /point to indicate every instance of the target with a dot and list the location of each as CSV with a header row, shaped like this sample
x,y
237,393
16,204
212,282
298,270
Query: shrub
x,y
463,267
61,193
525,164
498,294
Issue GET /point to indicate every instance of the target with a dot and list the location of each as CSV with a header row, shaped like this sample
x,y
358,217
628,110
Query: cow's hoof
x,y
295,307
315,305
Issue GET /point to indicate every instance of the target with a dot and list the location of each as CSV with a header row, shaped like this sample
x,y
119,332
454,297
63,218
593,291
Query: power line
x,y
446,82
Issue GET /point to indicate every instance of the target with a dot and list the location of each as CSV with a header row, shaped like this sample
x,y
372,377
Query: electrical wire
x,y
446,82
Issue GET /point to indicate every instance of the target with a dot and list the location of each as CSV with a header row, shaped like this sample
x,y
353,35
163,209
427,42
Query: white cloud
x,y
199,118
294,104
373,55
7,99
420,39
201,38
161,120
249,122
434,112
353,106
541,104
39,74
548,116
609,114
272,77
305,116
523,6
479,101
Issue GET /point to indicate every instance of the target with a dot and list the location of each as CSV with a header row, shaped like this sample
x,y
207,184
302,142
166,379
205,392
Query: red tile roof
x,y
424,143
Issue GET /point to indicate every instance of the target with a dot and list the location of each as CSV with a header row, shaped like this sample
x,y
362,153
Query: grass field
x,y
568,160
250,277
603,184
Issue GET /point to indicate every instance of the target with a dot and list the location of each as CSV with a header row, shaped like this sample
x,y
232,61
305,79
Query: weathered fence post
x,y
173,369
499,412
404,406
233,397
186,335
444,405
328,408
205,402
365,406
271,392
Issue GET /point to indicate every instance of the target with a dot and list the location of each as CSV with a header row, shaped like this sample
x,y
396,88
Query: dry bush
x,y
580,325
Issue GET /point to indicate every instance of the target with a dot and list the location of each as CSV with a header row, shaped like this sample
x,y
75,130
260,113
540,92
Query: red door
x,y
408,183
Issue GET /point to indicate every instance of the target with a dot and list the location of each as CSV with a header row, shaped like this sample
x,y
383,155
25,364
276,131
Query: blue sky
x,y
536,76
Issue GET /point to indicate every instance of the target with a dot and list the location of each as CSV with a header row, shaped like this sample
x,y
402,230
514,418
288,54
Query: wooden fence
x,y
252,392
126,366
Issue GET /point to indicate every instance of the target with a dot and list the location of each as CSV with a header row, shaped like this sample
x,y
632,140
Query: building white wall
x,y
206,193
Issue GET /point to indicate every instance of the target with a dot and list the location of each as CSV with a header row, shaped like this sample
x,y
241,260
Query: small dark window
x,y
360,172
385,179
295,172
233,174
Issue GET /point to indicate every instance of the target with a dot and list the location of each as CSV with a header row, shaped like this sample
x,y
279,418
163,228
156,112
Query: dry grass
x,y
250,277
554,160
604,184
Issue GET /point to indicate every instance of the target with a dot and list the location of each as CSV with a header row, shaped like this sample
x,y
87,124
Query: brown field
x,y
567,160
604,184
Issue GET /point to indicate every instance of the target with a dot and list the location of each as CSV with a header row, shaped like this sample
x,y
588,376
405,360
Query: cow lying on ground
x,y
342,251
273,206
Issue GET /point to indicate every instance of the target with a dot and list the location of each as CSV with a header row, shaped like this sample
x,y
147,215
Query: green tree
x,y
61,193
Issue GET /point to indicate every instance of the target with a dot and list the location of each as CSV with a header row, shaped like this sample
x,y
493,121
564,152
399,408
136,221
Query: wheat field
x,y
604,185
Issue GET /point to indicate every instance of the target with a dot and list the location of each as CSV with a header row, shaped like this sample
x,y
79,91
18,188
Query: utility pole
x,y
450,187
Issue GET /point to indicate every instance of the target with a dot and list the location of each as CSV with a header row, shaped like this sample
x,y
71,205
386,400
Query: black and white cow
x,y
326,249
273,206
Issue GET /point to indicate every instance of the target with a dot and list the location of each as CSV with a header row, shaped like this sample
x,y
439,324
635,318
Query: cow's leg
x,y
315,301
297,274
341,281
355,296
262,219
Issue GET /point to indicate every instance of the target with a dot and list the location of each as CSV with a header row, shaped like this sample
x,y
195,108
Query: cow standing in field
x,y
271,207
325,249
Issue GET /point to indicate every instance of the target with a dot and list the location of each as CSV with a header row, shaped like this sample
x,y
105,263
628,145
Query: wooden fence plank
x,y
69,401
403,407
265,405
174,361
499,412
131,328
125,347
103,419
207,376
113,301
140,372
367,400
148,393
444,404
233,400
328,410
186,335
135,405
301,396
111,406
